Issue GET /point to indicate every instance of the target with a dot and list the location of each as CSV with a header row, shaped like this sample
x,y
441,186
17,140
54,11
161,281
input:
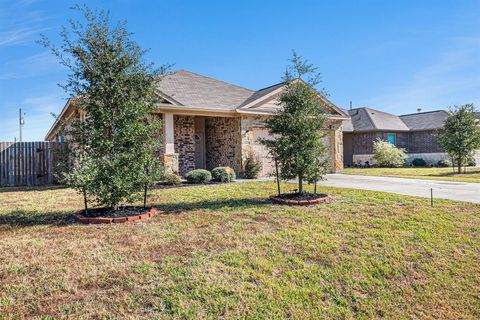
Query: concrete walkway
x,y
458,191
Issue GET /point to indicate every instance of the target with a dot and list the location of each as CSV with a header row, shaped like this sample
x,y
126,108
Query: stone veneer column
x,y
336,145
251,127
170,158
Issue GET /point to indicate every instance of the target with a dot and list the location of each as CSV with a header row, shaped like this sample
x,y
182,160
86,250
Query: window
x,y
392,138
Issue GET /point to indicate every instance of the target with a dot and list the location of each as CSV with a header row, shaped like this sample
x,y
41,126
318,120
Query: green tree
x,y
299,126
460,136
116,143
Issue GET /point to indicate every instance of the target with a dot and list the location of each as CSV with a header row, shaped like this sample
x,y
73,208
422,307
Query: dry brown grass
x,y
224,251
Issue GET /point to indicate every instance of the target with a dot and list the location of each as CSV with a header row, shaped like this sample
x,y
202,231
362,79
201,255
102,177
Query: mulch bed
x,y
300,199
107,215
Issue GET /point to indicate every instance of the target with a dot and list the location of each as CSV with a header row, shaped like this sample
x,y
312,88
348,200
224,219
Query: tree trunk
x,y
145,197
459,165
300,184
278,177
145,192
85,201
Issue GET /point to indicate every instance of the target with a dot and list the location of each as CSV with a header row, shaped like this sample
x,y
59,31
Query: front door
x,y
200,143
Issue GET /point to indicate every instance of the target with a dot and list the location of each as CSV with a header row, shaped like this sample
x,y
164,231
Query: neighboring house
x,y
210,123
416,133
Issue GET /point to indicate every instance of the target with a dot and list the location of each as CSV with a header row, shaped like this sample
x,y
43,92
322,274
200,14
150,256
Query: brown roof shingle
x,y
194,90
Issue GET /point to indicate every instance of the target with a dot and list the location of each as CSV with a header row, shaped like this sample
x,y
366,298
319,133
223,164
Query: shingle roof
x,y
262,92
271,106
367,119
185,88
347,124
194,90
425,120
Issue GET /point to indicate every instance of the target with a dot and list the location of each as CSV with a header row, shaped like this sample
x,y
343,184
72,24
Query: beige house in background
x,y
210,123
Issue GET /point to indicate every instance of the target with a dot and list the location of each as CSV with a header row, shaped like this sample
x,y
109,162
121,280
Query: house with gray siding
x,y
416,133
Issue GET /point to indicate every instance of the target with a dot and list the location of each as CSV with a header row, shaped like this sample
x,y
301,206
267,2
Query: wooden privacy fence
x,y
29,163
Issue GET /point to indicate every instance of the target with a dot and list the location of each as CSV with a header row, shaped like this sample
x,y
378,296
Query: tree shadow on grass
x,y
451,173
227,204
34,218
33,188
18,219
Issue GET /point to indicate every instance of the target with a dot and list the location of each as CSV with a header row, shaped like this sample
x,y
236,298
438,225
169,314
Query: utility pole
x,y
21,123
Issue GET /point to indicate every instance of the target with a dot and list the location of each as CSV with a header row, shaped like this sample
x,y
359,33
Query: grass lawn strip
x,y
442,174
226,251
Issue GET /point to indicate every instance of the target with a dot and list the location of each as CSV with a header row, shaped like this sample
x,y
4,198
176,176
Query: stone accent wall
x,y
184,142
430,158
222,143
252,130
161,152
170,162
335,137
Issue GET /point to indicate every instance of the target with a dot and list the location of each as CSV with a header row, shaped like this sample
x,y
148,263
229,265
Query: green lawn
x,y
446,174
224,251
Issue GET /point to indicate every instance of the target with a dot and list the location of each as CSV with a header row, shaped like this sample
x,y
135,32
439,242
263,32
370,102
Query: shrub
x,y
223,174
251,167
198,176
387,155
471,162
419,162
171,179
444,163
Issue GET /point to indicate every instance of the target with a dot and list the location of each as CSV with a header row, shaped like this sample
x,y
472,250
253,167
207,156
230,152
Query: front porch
x,y
201,142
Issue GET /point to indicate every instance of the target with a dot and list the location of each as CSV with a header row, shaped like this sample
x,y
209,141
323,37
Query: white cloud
x,y
11,37
451,79
46,104
37,64
20,23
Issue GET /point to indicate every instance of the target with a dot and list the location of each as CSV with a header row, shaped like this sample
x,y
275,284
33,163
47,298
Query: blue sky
x,y
391,55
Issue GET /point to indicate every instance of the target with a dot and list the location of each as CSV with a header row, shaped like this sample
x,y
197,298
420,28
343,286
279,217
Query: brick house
x,y
416,133
209,123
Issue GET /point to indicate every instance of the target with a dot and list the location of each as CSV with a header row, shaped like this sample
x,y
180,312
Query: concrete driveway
x,y
459,191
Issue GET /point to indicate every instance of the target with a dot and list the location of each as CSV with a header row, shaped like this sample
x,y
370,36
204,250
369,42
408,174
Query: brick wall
x,y
184,141
412,142
222,143
423,142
